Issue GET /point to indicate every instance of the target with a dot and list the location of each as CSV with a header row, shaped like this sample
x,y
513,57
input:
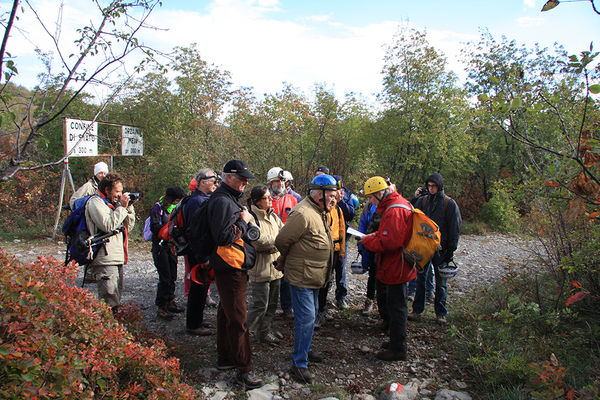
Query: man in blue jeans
x,y
444,211
306,248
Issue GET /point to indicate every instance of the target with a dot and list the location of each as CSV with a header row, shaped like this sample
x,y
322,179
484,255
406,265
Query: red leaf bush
x,y
58,341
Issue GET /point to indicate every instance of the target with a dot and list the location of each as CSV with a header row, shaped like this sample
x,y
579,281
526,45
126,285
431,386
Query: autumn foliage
x,y
58,341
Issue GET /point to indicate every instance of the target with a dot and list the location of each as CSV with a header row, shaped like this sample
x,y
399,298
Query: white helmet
x,y
448,270
287,175
274,173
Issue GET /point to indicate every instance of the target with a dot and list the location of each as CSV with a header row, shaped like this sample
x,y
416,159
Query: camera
x,y
133,197
253,232
424,191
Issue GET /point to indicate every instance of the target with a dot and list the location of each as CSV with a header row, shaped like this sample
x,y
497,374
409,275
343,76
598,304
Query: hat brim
x,y
246,174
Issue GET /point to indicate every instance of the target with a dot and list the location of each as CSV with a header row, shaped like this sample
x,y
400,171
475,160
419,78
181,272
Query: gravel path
x,y
348,342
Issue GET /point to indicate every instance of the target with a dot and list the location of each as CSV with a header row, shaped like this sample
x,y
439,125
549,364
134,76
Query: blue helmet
x,y
325,182
354,200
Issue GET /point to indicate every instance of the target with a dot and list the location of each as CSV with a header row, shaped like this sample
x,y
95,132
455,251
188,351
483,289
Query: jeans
x,y
285,298
306,305
439,304
412,285
264,297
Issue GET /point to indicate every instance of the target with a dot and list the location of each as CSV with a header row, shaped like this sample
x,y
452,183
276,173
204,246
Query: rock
x,y
219,395
363,396
265,392
458,384
446,394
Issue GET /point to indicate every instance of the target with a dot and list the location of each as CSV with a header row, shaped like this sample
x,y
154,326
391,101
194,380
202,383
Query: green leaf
x,y
515,103
595,89
550,4
483,97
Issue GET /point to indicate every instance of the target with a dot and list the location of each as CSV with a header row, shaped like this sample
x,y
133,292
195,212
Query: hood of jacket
x,y
436,178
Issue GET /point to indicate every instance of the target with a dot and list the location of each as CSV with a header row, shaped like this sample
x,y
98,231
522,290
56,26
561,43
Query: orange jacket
x,y
335,217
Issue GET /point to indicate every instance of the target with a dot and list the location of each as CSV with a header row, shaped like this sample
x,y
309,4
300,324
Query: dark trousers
x,y
397,308
372,281
233,338
340,276
166,266
195,305
382,300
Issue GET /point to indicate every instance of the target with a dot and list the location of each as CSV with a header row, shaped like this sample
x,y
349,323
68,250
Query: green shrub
x,y
57,341
500,212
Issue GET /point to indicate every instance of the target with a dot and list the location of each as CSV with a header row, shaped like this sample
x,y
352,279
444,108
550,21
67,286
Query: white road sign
x,y
132,142
81,138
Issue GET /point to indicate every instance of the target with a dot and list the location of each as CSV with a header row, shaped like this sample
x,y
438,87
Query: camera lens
x,y
253,233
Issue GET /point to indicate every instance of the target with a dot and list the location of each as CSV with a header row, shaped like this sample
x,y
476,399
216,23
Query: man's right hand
x,y
418,191
245,215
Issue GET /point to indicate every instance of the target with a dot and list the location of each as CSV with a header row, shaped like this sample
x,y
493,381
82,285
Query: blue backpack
x,y
81,245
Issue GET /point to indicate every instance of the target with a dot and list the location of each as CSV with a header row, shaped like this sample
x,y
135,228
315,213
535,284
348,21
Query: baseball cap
x,y
323,169
239,167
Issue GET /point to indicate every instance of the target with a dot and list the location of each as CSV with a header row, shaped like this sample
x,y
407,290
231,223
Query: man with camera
x,y
107,211
444,211
233,256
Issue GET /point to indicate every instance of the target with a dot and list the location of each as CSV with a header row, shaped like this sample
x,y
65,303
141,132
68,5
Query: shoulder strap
x,y
397,205
424,202
255,217
446,202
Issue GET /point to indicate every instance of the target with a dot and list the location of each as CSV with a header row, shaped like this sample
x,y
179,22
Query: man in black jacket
x,y
444,211
228,221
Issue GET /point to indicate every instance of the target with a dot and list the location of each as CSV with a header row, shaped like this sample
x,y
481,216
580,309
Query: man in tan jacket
x,y
108,210
306,249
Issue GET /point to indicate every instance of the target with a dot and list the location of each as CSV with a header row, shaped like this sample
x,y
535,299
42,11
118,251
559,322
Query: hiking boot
x,y
319,320
315,357
389,355
341,304
368,307
269,338
411,296
174,308
414,316
225,365
250,380
429,297
164,313
199,331
210,302
301,374
441,320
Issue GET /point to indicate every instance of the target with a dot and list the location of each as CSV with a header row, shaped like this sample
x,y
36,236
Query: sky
x,y
336,43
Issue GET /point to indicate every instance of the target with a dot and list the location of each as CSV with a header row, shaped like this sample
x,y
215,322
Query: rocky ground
x,y
348,342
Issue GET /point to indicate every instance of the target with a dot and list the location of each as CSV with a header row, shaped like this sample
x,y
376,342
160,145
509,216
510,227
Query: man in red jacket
x,y
392,270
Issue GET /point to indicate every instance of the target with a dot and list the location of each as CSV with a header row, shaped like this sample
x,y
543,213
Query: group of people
x,y
302,245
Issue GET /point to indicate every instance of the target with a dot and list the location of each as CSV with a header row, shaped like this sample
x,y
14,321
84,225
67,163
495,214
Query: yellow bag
x,y
424,240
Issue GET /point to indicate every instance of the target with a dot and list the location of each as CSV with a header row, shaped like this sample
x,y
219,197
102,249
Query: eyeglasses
x,y
431,185
267,197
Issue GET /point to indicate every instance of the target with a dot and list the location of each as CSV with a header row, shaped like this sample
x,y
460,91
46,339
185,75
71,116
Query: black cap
x,y
237,167
323,169
175,192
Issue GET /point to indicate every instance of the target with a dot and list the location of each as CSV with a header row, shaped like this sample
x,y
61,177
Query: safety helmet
x,y
325,182
275,173
354,200
448,270
375,184
287,175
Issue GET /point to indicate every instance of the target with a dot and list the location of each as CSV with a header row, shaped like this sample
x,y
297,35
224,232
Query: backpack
x,y
198,232
147,232
424,240
77,235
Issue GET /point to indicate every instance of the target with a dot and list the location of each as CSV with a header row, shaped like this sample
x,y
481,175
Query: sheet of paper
x,y
354,232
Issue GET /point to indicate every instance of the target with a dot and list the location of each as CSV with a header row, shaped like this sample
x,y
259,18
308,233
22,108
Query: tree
x,y
422,128
102,47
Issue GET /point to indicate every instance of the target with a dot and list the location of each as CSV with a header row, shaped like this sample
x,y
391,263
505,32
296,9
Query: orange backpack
x,y
424,240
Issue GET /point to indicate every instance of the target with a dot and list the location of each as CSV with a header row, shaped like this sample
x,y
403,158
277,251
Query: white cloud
x,y
529,3
530,22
